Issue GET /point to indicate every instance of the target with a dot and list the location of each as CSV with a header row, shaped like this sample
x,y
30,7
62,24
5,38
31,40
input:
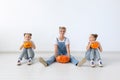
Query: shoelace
x,y
100,62
92,63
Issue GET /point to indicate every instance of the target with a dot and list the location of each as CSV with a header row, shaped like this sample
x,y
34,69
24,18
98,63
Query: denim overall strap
x,y
62,47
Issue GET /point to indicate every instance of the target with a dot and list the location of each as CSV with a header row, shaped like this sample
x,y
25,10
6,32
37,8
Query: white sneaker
x,y
19,62
92,63
29,62
100,63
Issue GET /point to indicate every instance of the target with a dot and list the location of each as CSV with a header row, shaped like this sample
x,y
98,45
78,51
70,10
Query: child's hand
x,y
56,54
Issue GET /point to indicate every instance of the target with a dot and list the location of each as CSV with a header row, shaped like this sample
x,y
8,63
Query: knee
x,y
97,51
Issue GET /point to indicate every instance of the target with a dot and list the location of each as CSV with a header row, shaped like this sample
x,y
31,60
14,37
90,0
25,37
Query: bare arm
x,y
88,46
21,46
68,49
56,49
100,47
33,46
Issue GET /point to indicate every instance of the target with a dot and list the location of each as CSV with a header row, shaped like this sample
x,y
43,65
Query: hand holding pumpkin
x,y
94,45
27,44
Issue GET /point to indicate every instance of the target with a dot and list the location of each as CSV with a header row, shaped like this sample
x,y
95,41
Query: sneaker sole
x,y
93,66
41,60
29,63
101,66
19,64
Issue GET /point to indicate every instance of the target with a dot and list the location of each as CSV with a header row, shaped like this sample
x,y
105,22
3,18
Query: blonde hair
x,y
62,27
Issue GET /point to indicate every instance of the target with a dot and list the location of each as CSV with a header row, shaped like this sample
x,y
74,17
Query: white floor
x,y
57,71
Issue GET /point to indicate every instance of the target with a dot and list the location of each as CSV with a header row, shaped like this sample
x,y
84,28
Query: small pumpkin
x,y
27,44
62,59
95,45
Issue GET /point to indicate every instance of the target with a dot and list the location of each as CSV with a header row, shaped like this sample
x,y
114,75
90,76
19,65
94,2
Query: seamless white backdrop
x,y
43,17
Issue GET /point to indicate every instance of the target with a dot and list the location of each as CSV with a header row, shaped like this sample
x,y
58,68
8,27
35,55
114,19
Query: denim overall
x,y
61,51
92,54
27,53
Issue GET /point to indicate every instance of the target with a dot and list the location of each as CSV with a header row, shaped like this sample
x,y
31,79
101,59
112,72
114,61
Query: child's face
x,y
27,37
62,31
91,38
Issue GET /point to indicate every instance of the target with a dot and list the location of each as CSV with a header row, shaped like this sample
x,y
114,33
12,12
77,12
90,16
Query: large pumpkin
x,y
27,44
62,59
95,45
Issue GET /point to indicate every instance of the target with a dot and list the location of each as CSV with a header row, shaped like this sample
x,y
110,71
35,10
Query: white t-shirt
x,y
66,40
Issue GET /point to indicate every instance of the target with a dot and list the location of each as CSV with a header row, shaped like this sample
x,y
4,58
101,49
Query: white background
x,y
43,17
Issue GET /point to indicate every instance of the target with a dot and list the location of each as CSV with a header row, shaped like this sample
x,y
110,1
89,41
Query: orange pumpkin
x,y
62,59
27,44
95,45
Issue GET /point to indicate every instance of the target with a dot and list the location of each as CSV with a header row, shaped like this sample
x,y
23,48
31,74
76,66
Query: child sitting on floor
x,y
61,47
27,47
93,51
